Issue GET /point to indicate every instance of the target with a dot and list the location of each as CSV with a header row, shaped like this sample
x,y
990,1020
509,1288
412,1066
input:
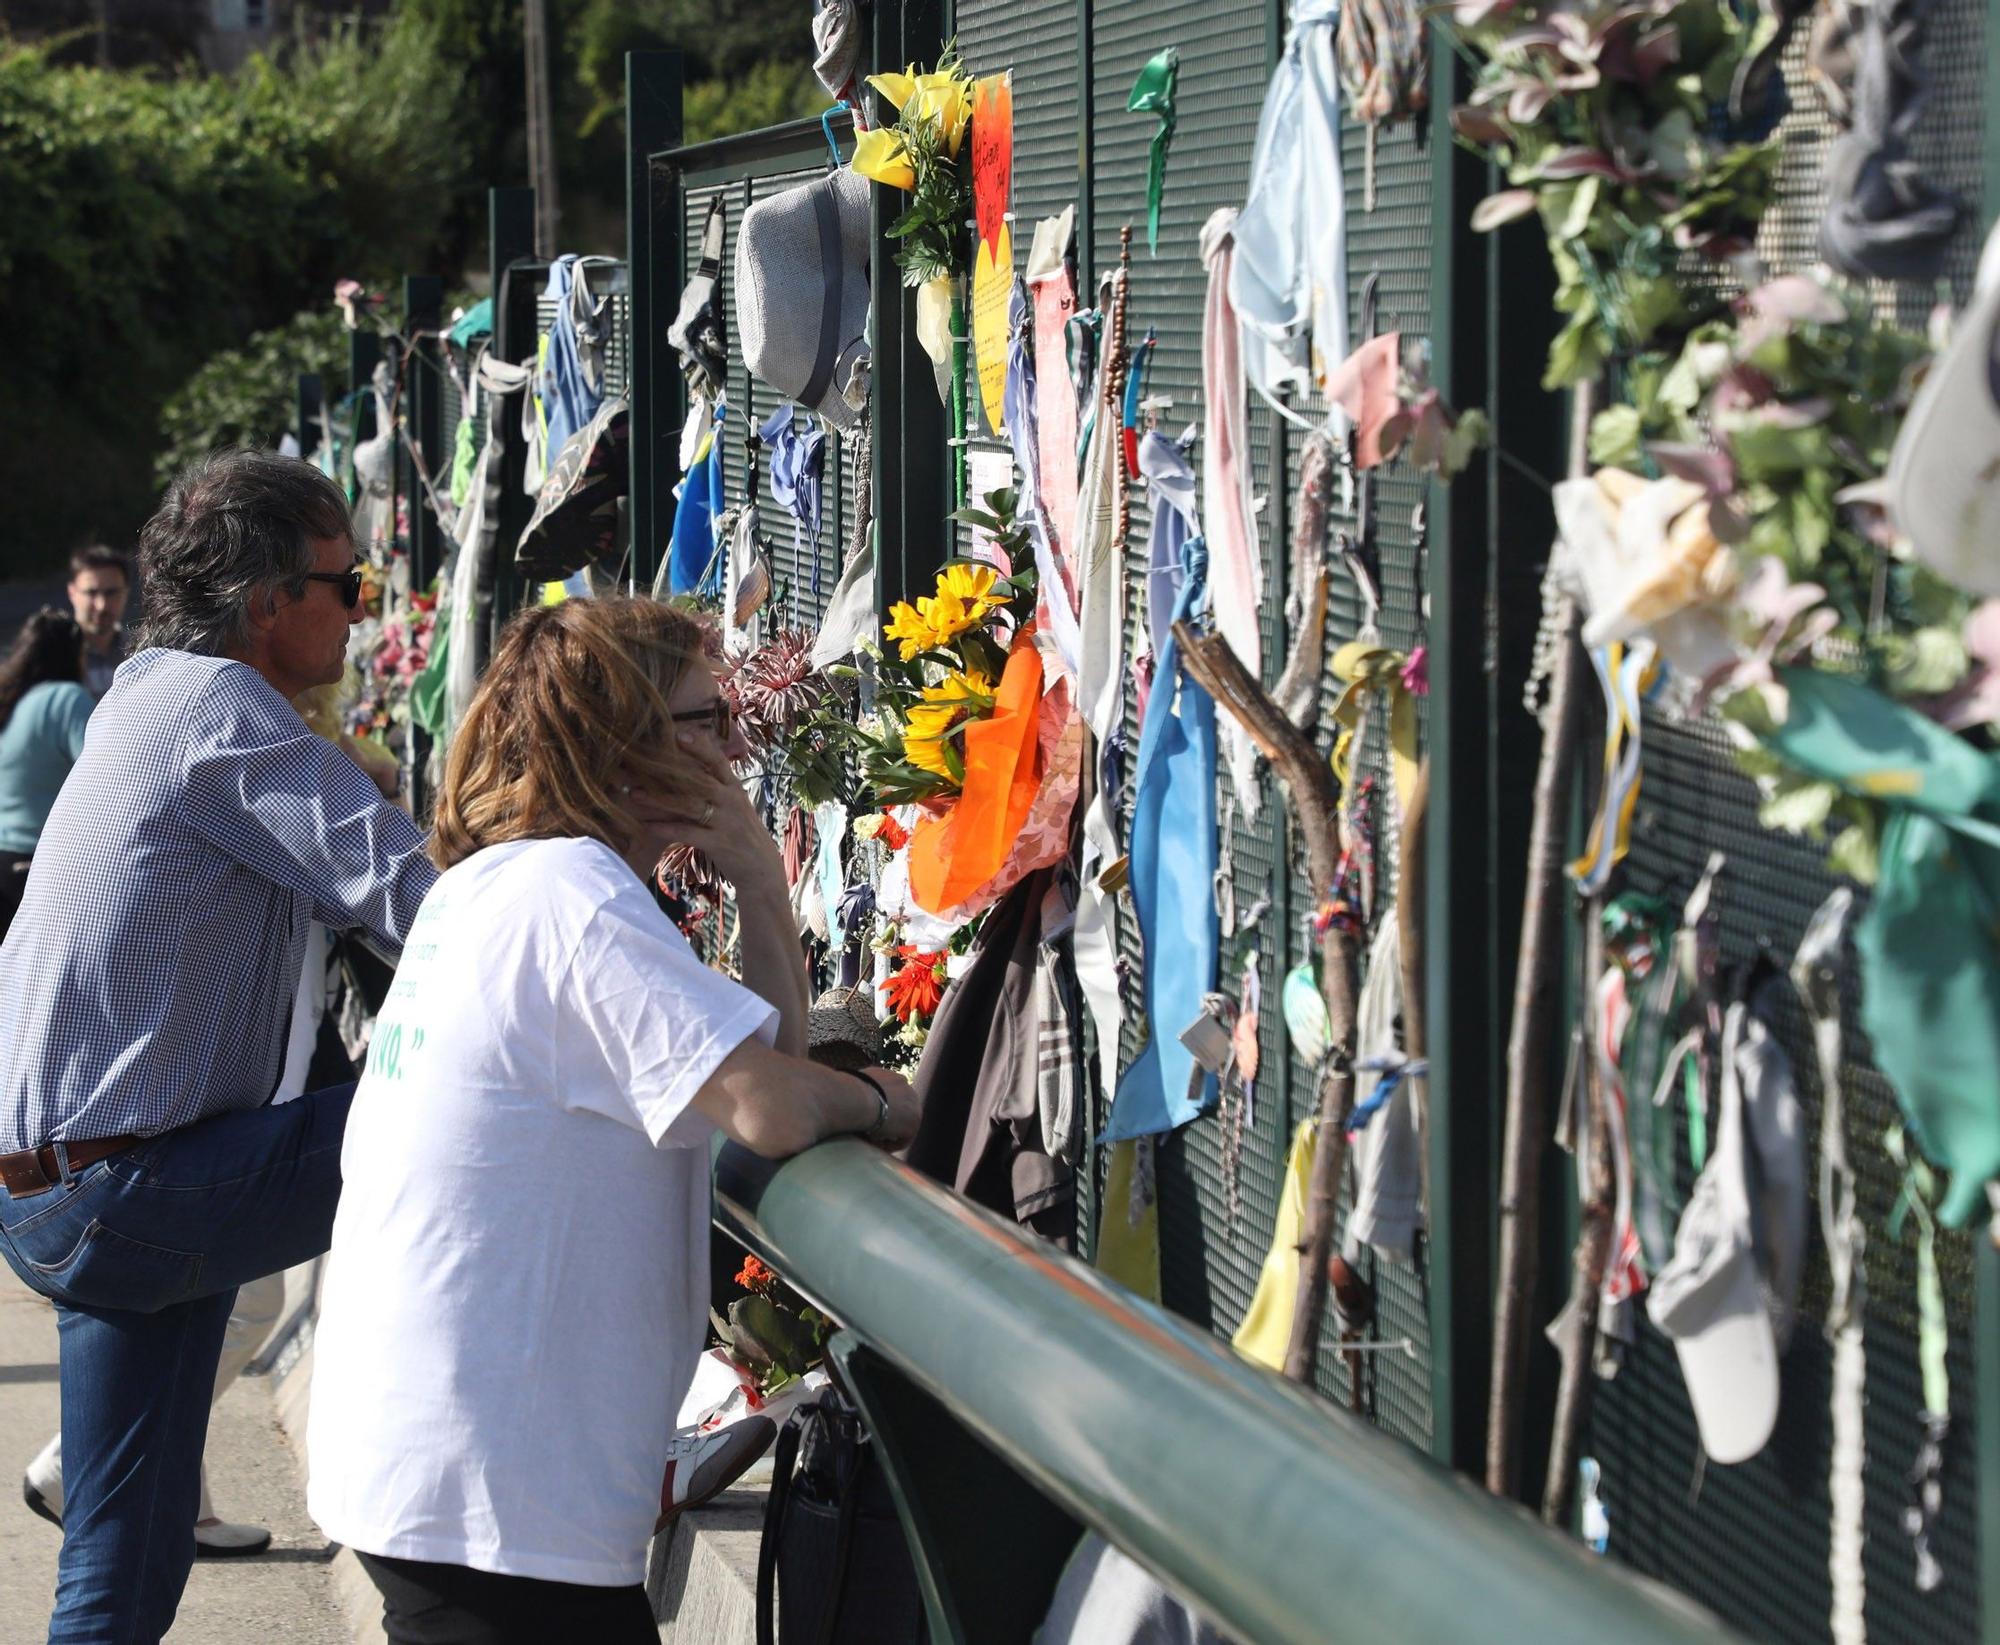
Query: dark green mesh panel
x,y
1752,1540
750,402
1210,1263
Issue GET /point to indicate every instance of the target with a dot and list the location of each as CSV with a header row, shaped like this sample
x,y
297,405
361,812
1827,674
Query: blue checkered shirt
x,y
148,978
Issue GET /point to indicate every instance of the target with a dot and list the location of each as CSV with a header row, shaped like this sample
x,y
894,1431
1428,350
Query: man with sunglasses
x,y
145,990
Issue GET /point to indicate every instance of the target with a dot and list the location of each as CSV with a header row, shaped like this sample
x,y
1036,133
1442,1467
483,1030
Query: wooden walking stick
x,y
1309,785
1592,1253
1412,877
1537,985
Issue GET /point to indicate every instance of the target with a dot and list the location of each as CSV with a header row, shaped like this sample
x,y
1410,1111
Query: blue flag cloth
x,y
1173,856
700,497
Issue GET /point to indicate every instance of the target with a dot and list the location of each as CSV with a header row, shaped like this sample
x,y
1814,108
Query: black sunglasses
x,y
717,711
348,582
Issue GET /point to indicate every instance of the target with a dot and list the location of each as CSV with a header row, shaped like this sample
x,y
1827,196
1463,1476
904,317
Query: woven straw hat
x,y
802,294
842,1030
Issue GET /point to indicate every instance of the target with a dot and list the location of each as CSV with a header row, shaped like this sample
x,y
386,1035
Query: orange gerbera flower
x,y
756,1276
915,988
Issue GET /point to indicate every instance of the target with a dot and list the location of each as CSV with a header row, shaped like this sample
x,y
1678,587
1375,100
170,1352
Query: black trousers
x,y
456,1605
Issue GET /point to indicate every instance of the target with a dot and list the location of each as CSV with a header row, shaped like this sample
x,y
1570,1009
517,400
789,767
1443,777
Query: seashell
x,y
1305,1015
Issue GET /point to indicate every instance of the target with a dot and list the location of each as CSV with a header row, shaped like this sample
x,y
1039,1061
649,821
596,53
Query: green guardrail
x,y
1016,1396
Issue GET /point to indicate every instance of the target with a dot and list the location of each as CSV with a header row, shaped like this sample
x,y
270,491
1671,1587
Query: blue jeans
x,y
142,1254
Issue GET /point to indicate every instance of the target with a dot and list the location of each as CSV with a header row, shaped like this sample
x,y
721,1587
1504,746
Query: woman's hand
x,y
712,813
899,1125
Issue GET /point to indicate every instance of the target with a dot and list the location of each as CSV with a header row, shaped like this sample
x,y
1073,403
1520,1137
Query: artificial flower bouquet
x,y
940,666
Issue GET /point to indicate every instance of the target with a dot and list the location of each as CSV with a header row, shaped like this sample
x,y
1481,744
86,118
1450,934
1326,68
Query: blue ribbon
x,y
1173,855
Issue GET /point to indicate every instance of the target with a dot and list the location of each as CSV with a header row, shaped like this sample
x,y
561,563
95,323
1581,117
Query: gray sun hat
x,y
1728,1296
802,294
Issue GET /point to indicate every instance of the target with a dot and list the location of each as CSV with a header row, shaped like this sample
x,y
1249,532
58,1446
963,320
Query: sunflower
x,y
928,725
971,586
907,625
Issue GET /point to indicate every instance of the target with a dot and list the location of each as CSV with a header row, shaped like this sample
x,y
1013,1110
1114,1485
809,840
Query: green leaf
x,y
1468,434
1800,806
1614,437
1856,851
1926,663
763,1334
1578,352
1770,451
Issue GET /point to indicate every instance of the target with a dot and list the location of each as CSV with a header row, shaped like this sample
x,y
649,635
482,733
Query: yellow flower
x,y
908,627
945,706
972,585
946,614
896,87
944,97
880,154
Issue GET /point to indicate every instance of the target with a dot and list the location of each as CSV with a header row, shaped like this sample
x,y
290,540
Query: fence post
x,y
910,453
653,230
423,314
1461,1041
311,398
1484,605
511,237
364,354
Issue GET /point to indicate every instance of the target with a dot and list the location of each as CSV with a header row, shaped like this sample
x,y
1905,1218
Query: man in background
x,y
100,582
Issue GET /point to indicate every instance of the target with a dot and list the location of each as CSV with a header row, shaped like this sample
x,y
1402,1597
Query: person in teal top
x,y
44,708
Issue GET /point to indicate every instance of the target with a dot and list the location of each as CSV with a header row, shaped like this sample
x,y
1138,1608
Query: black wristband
x,y
881,1097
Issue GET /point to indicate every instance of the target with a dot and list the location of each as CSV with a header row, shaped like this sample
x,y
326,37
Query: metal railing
x,y
1017,1395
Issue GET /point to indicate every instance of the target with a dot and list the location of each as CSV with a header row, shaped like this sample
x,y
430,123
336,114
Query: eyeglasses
x,y
348,582
716,711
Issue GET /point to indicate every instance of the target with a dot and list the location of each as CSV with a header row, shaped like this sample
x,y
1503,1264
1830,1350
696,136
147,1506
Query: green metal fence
x,y
1017,1396
1750,1541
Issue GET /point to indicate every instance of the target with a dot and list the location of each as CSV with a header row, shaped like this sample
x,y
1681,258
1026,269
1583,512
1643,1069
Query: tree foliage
x,y
249,395
146,223
745,65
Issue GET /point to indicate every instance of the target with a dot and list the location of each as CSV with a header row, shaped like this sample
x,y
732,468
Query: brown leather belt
x,y
36,1170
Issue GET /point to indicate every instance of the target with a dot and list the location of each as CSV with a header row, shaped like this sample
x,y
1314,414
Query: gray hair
x,y
233,527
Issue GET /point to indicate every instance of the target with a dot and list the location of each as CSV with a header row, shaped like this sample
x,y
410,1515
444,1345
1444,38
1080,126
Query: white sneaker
x,y
701,1466
218,1539
41,1483
42,1491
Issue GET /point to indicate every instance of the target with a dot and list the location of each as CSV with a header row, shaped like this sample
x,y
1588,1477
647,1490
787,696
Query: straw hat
x,y
802,294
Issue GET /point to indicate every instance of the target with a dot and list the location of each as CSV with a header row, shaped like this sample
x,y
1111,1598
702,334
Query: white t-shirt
x,y
518,1285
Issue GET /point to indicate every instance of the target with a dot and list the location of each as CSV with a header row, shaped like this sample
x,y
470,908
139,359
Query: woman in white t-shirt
x,y
518,1286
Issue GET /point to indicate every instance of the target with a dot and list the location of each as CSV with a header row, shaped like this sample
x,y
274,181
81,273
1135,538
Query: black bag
x,y
834,1554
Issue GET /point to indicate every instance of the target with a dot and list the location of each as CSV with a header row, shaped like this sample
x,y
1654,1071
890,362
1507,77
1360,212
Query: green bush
x,y
249,395
147,223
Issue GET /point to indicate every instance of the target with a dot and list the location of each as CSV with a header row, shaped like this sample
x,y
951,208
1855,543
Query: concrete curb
x,y
291,1393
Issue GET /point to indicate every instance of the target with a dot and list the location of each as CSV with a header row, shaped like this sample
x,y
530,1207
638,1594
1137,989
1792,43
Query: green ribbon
x,y
1153,93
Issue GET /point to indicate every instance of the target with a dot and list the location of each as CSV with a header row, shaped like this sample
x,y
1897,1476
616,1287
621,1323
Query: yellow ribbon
x,y
1626,672
1365,666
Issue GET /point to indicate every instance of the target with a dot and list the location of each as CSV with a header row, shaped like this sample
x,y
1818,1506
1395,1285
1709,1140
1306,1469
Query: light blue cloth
x,y
42,740
798,465
147,980
571,392
1171,492
1173,856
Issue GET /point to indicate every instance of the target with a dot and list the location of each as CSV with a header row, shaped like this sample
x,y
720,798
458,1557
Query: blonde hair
x,y
574,692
